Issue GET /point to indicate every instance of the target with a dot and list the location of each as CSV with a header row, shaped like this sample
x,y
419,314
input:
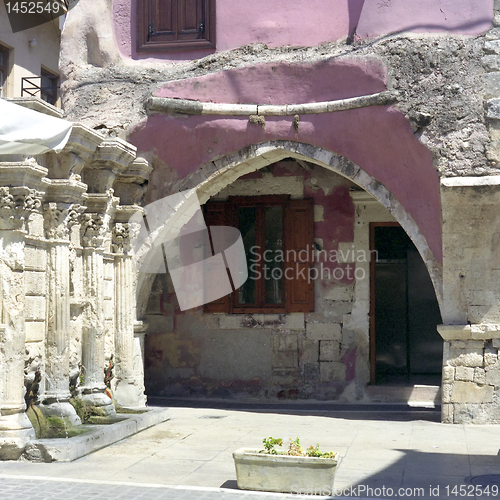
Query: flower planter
x,y
284,473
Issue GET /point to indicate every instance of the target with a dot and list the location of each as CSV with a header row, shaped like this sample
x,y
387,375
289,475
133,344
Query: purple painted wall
x,y
378,139
312,22
469,17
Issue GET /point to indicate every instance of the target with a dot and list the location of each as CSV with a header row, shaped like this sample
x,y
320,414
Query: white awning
x,y
24,131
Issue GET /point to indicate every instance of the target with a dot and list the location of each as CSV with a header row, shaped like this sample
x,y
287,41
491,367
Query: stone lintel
x,y
458,182
115,154
65,191
483,331
98,202
25,173
138,170
123,213
455,332
83,141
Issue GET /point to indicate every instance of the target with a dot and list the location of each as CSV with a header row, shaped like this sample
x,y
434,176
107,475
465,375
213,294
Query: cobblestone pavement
x,y
40,488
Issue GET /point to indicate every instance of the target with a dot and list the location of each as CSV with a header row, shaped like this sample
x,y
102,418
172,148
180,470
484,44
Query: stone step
x,y
414,395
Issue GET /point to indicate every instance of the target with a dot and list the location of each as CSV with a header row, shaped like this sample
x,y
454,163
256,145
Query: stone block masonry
x,y
471,379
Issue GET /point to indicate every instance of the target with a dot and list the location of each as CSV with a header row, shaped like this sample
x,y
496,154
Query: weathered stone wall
x,y
445,119
471,381
321,355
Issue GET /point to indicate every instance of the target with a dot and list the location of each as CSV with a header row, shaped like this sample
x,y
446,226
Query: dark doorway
x,y
405,346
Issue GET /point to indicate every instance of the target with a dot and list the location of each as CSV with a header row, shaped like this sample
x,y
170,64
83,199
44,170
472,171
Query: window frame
x,y
261,203
4,69
49,91
146,11
227,215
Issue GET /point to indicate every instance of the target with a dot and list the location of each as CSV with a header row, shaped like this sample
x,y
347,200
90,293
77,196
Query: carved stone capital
x,y
16,203
55,218
120,242
92,230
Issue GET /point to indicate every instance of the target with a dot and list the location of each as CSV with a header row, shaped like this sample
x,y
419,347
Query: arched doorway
x,y
330,345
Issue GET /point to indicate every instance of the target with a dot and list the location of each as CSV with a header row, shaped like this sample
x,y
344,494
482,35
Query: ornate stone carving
x,y
92,230
59,218
15,203
74,215
32,200
56,220
121,238
6,199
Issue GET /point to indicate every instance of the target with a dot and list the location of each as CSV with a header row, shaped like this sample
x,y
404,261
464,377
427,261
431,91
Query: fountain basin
x,y
94,438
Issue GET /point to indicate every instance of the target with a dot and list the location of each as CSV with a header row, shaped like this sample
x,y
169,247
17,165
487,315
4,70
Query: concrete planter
x,y
284,473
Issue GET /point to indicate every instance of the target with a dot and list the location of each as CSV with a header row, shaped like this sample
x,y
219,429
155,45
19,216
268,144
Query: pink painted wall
x,y
469,17
378,139
312,22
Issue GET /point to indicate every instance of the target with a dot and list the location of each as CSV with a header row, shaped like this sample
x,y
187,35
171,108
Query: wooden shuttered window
x,y
295,291
217,214
299,238
175,25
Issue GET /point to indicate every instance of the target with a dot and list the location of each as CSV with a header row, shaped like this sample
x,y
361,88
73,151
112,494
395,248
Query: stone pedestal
x,y
471,374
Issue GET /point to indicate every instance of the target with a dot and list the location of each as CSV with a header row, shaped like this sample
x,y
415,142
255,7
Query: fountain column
x,y
17,202
94,226
59,217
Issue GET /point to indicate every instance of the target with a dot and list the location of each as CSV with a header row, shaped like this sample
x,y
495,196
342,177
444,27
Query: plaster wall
x,y
364,136
25,60
313,22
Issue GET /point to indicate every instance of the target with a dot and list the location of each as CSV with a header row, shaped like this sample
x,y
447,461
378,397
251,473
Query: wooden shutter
x,y
175,24
162,24
299,240
190,19
217,214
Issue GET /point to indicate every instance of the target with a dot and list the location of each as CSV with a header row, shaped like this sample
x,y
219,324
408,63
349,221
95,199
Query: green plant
x,y
294,449
314,452
269,445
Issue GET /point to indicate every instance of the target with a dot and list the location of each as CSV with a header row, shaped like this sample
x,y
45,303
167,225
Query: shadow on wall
x,y
355,8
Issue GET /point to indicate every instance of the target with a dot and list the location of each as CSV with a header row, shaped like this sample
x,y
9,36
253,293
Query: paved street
x,y
384,454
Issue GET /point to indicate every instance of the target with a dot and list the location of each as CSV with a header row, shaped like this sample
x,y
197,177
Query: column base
x,y
127,395
16,432
61,409
99,400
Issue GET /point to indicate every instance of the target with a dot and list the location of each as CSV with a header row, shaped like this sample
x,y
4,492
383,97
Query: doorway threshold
x,y
415,395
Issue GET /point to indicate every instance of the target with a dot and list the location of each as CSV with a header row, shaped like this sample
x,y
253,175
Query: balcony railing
x,y
45,87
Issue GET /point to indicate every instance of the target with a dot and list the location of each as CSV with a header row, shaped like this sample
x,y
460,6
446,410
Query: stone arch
x,y
214,176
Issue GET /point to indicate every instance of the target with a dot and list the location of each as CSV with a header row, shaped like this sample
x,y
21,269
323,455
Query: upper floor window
x,y
4,69
49,86
175,25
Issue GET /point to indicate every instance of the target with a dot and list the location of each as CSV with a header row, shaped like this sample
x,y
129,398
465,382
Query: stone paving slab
x,y
194,449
